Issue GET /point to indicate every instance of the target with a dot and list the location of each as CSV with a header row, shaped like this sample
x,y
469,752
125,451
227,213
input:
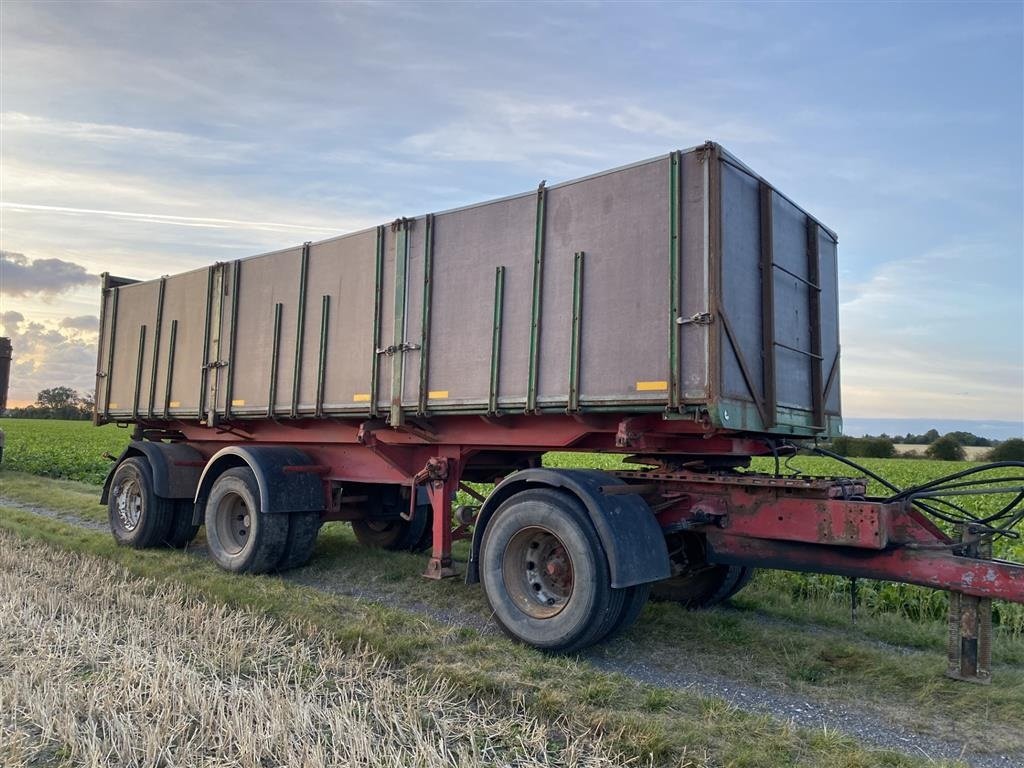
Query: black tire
x,y
241,538
182,531
395,533
635,598
698,584
138,517
564,601
303,528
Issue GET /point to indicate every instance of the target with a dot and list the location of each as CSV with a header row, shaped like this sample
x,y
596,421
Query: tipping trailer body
x,y
680,310
685,283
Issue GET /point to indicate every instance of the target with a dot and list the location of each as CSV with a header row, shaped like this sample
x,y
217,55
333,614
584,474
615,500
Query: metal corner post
x,y
401,228
229,386
767,303
428,276
321,368
378,281
674,248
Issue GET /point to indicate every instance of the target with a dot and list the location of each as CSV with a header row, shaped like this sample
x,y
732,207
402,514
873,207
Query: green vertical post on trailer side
x,y
321,370
499,300
204,371
378,288
171,344
535,311
401,229
300,329
110,351
156,346
675,328
229,386
138,371
574,337
428,269
275,357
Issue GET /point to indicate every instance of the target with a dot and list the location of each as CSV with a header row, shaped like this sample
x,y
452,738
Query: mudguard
x,y
177,468
281,491
628,531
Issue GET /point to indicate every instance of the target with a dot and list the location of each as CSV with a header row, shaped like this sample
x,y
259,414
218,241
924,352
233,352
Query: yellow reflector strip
x,y
112,405
237,403
361,398
651,386
174,404
438,394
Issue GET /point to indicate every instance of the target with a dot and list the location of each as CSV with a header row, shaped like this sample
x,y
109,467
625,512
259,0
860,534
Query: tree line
x,y
948,447
57,403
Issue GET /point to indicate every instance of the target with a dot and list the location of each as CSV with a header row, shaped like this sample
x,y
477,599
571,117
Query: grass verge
x,y
646,724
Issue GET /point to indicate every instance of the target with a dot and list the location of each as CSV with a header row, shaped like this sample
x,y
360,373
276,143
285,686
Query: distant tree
x,y
930,436
945,449
57,398
87,402
1008,450
878,448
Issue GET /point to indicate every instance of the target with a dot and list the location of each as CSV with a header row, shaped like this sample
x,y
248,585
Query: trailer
x,y
680,310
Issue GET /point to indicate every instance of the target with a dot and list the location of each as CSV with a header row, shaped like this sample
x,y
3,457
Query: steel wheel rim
x,y
128,497
538,572
233,521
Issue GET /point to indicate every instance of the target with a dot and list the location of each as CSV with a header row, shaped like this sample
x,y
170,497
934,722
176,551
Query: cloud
x,y
45,356
81,323
21,276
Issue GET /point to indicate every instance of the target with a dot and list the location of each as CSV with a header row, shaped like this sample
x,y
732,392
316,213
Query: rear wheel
x,y
241,538
303,528
546,575
696,583
182,531
396,533
138,517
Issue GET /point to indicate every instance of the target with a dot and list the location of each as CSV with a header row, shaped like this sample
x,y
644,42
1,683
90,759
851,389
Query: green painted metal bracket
x,y
428,277
156,346
814,316
229,387
535,312
300,329
574,338
138,371
110,351
204,371
275,360
171,346
675,329
321,370
401,228
768,356
377,291
499,300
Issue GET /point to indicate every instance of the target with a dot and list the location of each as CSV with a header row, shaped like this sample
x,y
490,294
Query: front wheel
x,y
138,517
546,575
695,582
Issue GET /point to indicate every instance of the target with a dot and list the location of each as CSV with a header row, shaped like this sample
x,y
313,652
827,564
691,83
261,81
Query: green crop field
x,y
75,450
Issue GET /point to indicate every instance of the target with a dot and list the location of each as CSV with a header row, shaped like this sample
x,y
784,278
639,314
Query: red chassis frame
x,y
823,525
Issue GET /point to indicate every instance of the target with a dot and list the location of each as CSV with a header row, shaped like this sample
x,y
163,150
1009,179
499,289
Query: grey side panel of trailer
x,y
184,299
741,286
263,282
620,221
694,300
414,279
469,245
136,320
829,277
792,306
352,262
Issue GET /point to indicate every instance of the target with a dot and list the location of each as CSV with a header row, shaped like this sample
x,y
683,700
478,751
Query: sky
x,y
145,139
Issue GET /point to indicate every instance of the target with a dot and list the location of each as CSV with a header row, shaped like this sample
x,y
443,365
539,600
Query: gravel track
x,y
865,726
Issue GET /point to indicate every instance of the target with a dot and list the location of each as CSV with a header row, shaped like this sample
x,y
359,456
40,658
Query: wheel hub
x,y
538,572
234,523
129,504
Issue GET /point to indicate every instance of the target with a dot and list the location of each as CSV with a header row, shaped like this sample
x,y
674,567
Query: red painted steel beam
x,y
937,568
